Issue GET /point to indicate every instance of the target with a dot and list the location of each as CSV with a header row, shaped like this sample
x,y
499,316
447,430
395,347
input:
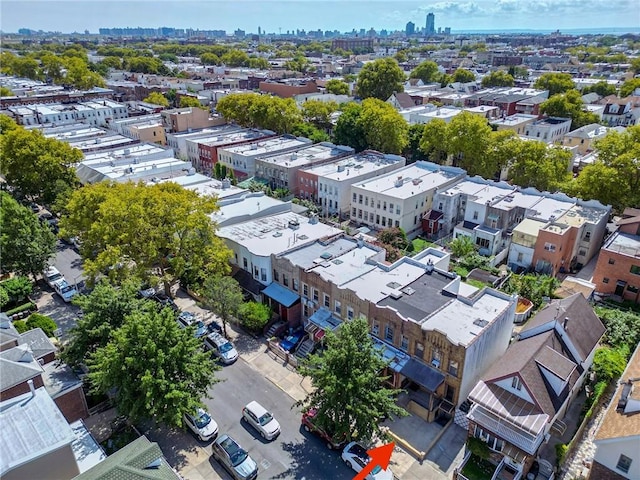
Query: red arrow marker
x,y
379,456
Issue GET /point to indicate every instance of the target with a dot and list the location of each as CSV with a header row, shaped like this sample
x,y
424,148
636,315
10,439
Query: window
x,y
263,274
388,333
611,261
398,210
440,207
582,252
397,224
587,235
256,272
359,213
624,463
327,300
516,383
244,263
605,280
632,289
353,212
366,201
453,368
276,275
404,343
635,269
285,280
391,208
419,350
360,199
475,215
349,313
375,328
338,307
436,358
450,393
482,242
305,290
519,257
549,247
305,310
294,283
315,294
354,197
384,206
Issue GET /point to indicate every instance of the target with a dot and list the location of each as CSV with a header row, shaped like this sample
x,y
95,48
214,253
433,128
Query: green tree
x,y
532,286
462,246
350,393
104,311
463,75
555,83
609,363
254,315
235,58
299,63
260,111
209,59
26,244
259,63
318,113
223,295
139,227
427,71
434,141
32,163
25,67
396,237
337,87
156,369
380,78
629,87
156,98
52,67
519,72
311,132
47,324
349,129
79,76
622,327
384,128
187,101
412,151
469,141
602,88
499,78
569,105
535,164
17,288
4,297
6,125
614,179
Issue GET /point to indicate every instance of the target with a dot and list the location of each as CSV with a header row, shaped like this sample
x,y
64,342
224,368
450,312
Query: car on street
x,y
356,458
202,425
308,423
234,458
221,348
65,290
52,276
262,420
189,319
165,301
290,342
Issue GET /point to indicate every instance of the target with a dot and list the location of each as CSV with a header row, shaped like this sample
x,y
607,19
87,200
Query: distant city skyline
x,y
272,16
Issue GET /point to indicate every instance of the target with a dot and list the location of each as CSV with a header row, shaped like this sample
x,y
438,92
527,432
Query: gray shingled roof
x,y
8,332
17,365
140,460
38,342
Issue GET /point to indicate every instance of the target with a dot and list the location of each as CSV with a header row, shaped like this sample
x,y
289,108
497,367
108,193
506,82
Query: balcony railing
x,y
502,429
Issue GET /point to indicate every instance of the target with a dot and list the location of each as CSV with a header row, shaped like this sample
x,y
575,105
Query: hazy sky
x,y
72,15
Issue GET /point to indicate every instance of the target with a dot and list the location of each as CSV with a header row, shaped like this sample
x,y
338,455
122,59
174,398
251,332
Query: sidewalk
x,y
440,461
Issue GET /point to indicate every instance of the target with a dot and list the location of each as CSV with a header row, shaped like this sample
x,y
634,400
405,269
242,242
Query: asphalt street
x,y
295,454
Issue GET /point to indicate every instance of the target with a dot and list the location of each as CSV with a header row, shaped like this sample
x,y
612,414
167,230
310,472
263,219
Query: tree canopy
x,y
26,244
555,83
350,393
427,71
260,111
629,87
187,101
535,164
318,113
337,87
130,229
223,295
569,105
156,98
463,75
380,78
155,369
33,164
499,78
349,130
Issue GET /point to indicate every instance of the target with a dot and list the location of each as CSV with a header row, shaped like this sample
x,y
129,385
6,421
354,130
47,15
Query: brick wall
x,y
600,472
21,388
612,267
73,405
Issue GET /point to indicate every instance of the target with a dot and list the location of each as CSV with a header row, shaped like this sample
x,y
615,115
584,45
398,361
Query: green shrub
x,y
561,453
609,363
4,297
37,320
254,315
478,447
21,326
21,308
17,288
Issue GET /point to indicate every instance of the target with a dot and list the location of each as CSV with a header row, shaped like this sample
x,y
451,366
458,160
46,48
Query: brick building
x,y
288,88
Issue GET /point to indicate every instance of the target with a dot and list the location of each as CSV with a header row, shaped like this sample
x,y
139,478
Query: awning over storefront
x,y
425,376
283,296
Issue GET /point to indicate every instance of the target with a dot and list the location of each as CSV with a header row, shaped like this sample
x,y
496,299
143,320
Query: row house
x,y
242,158
582,138
623,112
189,119
97,113
521,400
618,268
329,184
204,150
505,98
282,170
548,129
288,88
401,198
516,123
178,141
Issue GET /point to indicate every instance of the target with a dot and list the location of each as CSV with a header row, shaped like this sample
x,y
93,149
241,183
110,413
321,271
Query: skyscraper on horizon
x,y
410,29
431,24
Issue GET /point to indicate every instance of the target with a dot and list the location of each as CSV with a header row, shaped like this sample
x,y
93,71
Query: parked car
x,y
234,458
165,301
202,425
333,442
189,319
147,293
220,347
289,343
52,276
65,290
260,419
356,458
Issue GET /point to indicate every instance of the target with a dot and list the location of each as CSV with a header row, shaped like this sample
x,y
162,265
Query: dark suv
x,y
333,442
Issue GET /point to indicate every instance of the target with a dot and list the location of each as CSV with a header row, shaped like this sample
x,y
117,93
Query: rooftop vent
x,y
629,403
226,183
325,255
408,291
399,181
429,267
277,234
313,219
393,285
480,322
294,224
416,181
341,168
395,294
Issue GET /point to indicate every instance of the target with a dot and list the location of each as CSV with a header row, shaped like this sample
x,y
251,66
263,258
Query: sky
x,y
345,15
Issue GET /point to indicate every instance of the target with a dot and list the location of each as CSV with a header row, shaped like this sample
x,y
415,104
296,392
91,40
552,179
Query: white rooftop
x,y
306,155
513,120
230,137
354,166
517,199
272,235
411,180
247,206
266,147
209,186
550,207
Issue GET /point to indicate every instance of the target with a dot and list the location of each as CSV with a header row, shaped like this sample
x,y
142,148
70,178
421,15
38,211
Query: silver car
x,y
260,419
234,458
202,425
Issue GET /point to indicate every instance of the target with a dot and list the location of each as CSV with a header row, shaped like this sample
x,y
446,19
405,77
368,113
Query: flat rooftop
x,y
577,215
210,186
307,155
274,234
516,199
266,147
244,207
529,226
471,188
353,166
624,244
550,207
102,142
231,137
411,180
514,120
130,154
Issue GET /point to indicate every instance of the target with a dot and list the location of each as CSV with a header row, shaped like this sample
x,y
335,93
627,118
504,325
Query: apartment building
x,y
178,141
97,113
548,129
516,123
88,139
188,119
242,158
505,98
288,88
401,198
582,138
330,184
204,150
282,170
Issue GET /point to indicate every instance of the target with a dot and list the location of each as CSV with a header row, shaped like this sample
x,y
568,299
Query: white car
x,y
65,290
202,425
356,458
260,419
52,276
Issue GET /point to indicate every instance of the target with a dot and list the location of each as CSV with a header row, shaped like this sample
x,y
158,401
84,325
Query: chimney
x,y
31,387
360,242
